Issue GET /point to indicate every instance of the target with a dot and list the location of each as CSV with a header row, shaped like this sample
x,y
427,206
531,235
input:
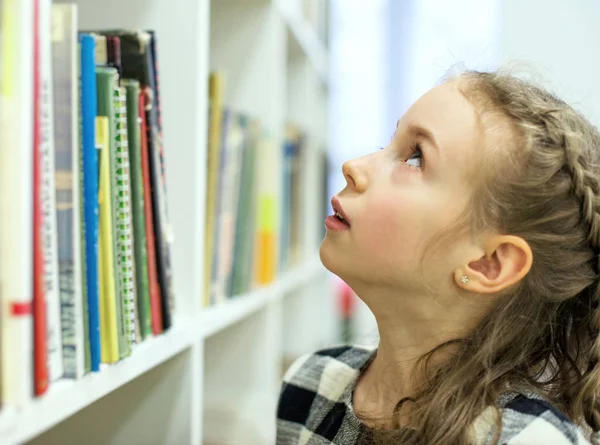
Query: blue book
x,y
89,110
286,208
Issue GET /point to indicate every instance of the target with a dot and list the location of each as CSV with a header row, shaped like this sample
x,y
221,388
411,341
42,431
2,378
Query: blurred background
x,y
233,119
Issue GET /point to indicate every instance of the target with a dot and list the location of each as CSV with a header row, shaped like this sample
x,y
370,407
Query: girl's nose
x,y
355,175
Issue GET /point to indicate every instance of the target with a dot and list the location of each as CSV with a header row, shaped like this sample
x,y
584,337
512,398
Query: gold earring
x,y
464,279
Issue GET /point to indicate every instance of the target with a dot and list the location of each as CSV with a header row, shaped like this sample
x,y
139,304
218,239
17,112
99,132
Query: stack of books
x,y
255,194
85,269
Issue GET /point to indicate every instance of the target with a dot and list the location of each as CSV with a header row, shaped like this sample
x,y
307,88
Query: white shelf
x,y
307,38
66,397
219,317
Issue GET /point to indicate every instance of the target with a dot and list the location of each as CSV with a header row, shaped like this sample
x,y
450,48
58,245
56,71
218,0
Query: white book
x,y
16,173
48,196
67,148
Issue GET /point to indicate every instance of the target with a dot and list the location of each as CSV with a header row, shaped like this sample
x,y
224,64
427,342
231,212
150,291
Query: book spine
x,y
218,209
235,142
89,110
16,241
216,86
108,311
125,261
286,203
266,252
48,196
67,178
40,358
113,50
161,222
143,320
154,288
244,224
85,359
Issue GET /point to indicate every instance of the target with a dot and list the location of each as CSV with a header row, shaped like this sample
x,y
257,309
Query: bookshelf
x,y
214,377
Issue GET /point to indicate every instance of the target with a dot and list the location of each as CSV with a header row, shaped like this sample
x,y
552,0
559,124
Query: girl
x,y
473,238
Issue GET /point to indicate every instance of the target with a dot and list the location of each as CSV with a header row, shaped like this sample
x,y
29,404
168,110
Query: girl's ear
x,y
506,261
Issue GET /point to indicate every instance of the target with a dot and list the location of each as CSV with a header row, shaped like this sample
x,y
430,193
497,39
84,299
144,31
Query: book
x,y
165,221
144,321
245,224
229,196
16,166
296,195
138,64
108,82
125,258
216,87
113,53
2,124
108,299
89,110
40,358
218,193
266,218
67,179
48,195
286,204
153,286
101,49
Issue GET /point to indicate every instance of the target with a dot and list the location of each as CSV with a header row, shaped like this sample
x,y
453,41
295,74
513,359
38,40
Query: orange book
x,y
266,252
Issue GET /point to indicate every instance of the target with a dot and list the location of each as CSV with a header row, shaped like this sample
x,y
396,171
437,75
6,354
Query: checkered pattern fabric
x,y
315,407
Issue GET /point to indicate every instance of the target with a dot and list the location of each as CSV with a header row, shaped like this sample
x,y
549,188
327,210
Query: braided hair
x,y
558,150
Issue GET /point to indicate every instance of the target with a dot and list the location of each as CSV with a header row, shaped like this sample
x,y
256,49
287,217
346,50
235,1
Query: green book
x,y
244,228
107,80
132,88
125,235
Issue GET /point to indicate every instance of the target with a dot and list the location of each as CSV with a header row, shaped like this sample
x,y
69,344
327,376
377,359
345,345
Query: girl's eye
x,y
416,158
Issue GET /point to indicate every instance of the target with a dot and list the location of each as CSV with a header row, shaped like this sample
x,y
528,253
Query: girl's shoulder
x,y
321,381
528,420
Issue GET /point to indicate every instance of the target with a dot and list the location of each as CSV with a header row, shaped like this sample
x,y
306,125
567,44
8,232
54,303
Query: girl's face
x,y
401,196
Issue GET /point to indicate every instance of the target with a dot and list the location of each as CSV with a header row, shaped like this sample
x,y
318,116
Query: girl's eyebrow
x,y
419,130
424,132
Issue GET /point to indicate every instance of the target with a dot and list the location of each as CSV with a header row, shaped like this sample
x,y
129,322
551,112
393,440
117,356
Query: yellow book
x,y
214,144
106,274
268,189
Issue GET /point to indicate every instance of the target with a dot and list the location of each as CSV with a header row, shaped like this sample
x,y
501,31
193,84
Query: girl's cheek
x,y
388,225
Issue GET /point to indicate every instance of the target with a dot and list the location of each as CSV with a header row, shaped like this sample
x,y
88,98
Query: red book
x,y
40,351
154,288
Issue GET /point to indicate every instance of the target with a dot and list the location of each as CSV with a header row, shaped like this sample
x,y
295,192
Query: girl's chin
x,y
337,262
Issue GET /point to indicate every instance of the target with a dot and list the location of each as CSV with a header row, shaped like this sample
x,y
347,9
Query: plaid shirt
x,y
315,407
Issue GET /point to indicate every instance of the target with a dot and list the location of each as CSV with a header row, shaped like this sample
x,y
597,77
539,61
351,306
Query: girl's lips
x,y
337,208
333,223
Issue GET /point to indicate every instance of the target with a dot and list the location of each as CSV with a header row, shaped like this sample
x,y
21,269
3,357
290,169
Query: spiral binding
x,y
125,263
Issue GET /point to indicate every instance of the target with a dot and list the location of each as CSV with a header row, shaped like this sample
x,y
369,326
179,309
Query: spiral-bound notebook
x,y
112,331
124,229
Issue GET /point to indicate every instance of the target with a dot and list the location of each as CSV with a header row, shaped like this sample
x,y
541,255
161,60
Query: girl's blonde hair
x,y
540,182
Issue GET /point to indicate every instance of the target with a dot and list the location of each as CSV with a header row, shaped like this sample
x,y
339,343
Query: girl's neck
x,y
409,328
